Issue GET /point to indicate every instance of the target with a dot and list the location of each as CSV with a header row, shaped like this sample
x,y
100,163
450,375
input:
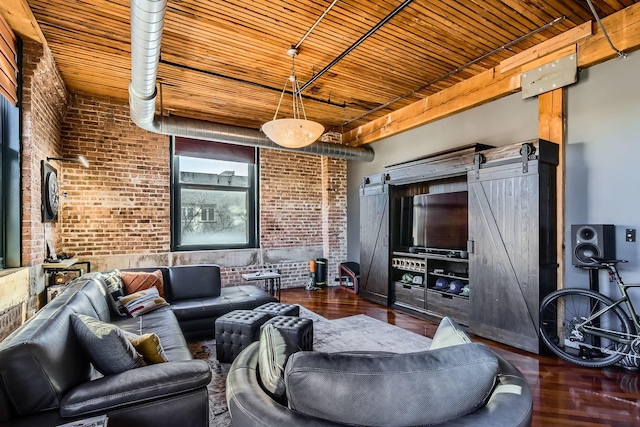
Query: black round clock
x,y
51,194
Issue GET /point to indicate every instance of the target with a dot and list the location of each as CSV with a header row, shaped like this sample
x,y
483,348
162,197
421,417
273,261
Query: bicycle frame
x,y
605,333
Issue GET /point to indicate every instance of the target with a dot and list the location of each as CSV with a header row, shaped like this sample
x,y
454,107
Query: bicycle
x,y
588,328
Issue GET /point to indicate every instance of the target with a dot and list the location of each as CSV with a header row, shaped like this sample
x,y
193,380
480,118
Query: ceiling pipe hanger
x,y
357,43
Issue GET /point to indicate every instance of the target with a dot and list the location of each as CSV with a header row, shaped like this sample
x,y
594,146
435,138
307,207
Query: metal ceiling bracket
x,y
559,73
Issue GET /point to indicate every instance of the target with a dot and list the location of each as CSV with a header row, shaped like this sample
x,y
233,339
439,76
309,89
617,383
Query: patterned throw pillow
x,y
135,281
114,285
107,346
149,346
143,302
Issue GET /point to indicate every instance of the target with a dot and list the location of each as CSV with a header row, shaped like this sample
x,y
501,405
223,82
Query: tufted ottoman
x,y
274,309
235,331
298,329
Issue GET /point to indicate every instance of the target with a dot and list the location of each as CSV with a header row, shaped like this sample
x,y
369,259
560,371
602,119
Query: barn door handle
x,y
470,246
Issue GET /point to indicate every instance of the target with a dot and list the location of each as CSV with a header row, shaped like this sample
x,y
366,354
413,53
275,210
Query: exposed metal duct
x,y
147,20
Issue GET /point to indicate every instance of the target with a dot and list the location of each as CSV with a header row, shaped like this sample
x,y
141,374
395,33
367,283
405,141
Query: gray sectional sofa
x,y
454,383
46,377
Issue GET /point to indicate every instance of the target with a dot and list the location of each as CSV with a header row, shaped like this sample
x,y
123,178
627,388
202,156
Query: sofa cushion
x,y
106,345
274,351
383,389
149,347
143,302
448,333
136,281
194,281
115,288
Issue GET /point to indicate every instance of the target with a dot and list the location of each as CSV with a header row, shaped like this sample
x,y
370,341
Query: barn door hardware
x,y
478,159
526,150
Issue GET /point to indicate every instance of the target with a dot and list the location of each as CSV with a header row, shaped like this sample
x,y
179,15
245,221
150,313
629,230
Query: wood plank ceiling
x,y
226,62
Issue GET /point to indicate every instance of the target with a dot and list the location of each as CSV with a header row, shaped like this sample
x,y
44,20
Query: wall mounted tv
x,y
435,221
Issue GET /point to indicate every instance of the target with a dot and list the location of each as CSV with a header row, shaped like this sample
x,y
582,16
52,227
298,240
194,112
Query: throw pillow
x,y
143,302
113,283
149,346
274,350
140,280
108,348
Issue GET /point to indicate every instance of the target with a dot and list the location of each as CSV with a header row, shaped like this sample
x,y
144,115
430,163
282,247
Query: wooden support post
x,y
551,126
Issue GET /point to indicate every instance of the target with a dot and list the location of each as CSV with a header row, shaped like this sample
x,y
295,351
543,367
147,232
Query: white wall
x,y
603,157
602,164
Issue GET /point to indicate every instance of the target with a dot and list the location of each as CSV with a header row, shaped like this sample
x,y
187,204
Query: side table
x,y
271,280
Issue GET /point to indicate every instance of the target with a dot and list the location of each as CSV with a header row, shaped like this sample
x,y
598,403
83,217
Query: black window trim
x,y
176,205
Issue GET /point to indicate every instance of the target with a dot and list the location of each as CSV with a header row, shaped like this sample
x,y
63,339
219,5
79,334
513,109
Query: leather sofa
x,y
197,297
454,383
46,379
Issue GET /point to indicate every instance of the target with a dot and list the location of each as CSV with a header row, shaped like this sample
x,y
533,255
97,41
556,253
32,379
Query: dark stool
x,y
235,331
274,309
298,329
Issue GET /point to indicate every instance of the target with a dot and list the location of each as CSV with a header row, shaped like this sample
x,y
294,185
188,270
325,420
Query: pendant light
x,y
293,132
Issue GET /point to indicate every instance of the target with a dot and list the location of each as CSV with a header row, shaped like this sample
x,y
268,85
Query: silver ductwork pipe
x,y
147,20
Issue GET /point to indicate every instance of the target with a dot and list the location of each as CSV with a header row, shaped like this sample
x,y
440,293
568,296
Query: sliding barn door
x,y
510,259
374,243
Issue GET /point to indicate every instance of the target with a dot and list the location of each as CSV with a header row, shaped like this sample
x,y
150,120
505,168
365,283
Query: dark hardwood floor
x,y
564,394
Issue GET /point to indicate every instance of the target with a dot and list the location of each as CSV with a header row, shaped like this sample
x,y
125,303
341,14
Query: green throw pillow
x,y
107,346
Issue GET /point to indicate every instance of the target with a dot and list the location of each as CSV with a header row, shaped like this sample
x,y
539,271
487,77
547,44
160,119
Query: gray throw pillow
x,y
374,389
273,352
448,333
107,346
115,288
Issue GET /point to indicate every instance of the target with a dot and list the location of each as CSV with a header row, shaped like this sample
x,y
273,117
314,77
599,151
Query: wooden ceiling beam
x,y
623,28
18,15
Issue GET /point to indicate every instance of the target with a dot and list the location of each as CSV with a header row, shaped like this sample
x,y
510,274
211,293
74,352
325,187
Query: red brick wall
x,y
44,101
120,204
290,199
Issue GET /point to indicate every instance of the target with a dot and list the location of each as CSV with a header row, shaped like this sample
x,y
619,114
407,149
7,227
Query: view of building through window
x,y
214,203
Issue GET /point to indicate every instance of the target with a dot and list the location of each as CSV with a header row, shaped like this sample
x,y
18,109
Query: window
x,y
214,195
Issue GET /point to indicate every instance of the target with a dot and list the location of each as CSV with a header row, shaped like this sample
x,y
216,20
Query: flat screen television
x,y
440,221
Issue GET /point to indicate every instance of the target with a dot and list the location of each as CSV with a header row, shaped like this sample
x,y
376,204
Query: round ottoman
x,y
235,331
299,330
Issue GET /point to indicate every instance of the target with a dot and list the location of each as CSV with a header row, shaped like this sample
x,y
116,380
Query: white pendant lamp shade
x,y
293,133
297,132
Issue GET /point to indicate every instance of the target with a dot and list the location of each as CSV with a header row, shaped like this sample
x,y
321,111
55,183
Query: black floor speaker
x,y
592,240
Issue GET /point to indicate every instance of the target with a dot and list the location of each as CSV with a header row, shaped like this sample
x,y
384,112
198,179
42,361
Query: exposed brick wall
x,y
290,199
334,214
44,101
120,204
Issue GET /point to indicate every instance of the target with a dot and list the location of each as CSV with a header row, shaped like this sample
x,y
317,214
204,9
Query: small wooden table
x,y
271,280
71,264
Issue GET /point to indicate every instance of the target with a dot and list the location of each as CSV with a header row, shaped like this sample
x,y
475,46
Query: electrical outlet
x,y
630,235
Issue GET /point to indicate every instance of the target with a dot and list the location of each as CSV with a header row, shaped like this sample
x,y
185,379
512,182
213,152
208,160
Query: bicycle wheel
x,y
580,347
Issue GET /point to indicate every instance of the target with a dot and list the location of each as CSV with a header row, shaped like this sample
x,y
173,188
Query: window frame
x,y
176,205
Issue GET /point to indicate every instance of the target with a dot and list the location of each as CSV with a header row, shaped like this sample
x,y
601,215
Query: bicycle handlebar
x,y
608,262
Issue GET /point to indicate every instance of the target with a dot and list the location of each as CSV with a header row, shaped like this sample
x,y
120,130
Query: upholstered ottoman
x,y
235,331
274,309
298,329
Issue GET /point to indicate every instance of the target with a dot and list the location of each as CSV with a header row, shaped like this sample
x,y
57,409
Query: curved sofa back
x,y
42,359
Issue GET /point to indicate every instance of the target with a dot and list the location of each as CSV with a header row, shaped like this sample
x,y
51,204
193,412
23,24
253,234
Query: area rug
x,y
359,333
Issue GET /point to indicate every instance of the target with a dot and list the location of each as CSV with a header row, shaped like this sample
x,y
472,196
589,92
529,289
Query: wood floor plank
x,y
564,395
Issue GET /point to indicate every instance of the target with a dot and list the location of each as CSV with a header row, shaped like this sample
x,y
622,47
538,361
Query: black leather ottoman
x,y
274,309
298,329
235,331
